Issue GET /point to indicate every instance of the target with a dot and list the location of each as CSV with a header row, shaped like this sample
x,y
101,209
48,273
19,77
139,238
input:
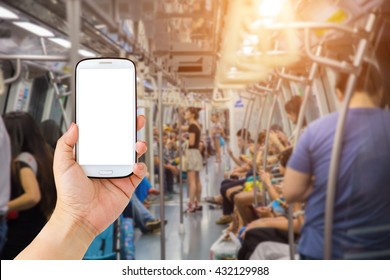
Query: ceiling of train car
x,y
184,35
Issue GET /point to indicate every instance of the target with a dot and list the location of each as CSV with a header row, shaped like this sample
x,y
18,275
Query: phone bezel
x,y
118,171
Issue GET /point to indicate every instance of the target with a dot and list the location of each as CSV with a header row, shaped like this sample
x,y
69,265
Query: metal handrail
x,y
17,73
338,138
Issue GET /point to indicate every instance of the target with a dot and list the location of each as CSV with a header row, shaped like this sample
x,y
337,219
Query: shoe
x,y
198,207
153,191
223,220
153,225
173,192
211,199
190,208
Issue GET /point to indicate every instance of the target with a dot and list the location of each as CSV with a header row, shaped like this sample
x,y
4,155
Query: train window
x,y
38,93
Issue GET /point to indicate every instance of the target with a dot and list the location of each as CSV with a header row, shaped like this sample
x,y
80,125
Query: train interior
x,y
241,60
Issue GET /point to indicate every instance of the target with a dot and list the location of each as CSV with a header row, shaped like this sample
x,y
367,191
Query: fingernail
x,y
140,166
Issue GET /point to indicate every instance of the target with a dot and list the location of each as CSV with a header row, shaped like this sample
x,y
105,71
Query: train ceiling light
x,y
250,50
34,28
7,14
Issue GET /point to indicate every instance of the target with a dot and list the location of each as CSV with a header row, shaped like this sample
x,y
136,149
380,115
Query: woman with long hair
x,y
194,160
33,193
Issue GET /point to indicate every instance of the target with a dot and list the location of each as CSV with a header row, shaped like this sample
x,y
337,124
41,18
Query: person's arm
x,y
266,177
297,180
85,207
62,238
31,195
275,140
236,160
191,139
297,186
272,159
191,134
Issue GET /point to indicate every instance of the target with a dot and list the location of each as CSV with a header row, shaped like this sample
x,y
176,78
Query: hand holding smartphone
x,y
106,117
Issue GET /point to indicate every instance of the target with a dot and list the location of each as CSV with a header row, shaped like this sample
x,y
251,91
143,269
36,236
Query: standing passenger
x,y
194,160
33,194
361,208
216,135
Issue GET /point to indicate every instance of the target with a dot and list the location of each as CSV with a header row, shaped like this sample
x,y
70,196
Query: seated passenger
x,y
142,217
244,201
292,108
168,169
361,206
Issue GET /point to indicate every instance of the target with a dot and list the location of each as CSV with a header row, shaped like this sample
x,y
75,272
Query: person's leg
x,y
191,178
145,221
198,200
230,192
168,180
198,187
227,206
144,213
217,149
243,202
216,199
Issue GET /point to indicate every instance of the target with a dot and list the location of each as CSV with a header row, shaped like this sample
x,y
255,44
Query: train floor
x,y
200,229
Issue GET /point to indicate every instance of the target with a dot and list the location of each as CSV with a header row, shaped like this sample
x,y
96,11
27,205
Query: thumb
x,y
63,156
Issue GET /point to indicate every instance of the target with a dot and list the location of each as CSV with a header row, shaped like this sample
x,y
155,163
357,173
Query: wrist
x,y
66,236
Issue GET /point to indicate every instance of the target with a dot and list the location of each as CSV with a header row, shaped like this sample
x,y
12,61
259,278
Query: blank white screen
x,y
106,113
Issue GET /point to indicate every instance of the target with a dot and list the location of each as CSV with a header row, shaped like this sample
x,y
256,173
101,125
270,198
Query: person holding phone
x,y
85,206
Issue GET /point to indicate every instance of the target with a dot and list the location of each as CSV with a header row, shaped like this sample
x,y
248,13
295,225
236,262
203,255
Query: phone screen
x,y
106,116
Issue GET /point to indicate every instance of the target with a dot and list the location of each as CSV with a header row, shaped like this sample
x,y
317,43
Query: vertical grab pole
x,y
73,17
206,127
338,138
248,121
244,122
181,227
302,110
254,164
55,86
161,170
265,153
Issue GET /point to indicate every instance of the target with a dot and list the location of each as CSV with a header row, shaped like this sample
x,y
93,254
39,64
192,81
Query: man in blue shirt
x,y
361,225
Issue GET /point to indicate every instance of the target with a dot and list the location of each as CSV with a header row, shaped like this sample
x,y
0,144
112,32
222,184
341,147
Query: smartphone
x,y
106,100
